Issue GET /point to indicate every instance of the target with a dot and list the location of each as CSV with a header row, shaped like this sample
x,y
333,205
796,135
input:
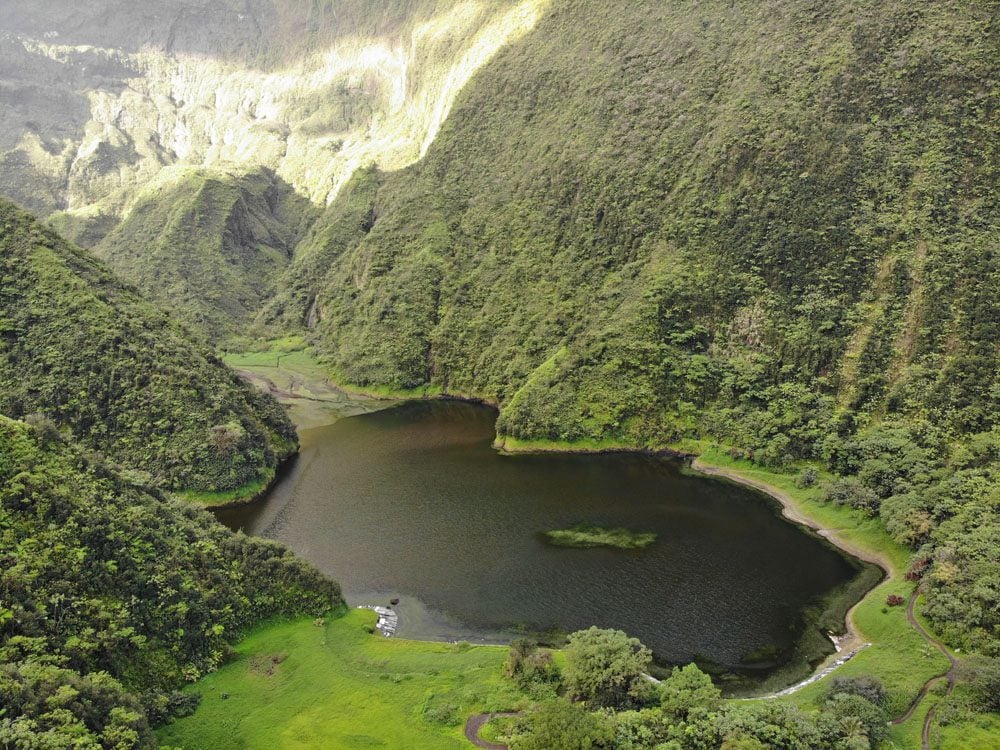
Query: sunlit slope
x,y
97,103
758,221
188,142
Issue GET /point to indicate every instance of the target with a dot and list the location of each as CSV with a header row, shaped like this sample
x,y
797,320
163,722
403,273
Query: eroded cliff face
x,y
98,99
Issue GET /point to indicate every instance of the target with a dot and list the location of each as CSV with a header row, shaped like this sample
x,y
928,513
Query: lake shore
x,y
862,539
791,509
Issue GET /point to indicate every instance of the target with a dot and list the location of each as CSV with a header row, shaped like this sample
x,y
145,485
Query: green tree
x,y
559,725
605,667
686,689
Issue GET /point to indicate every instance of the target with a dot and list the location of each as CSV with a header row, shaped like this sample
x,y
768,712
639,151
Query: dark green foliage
x,y
111,596
209,246
866,686
531,667
558,724
807,478
850,491
79,348
943,499
858,717
606,667
46,706
983,674
686,690
692,716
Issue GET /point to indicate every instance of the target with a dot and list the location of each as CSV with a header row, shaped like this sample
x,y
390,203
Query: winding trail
x,y
951,675
476,722
854,641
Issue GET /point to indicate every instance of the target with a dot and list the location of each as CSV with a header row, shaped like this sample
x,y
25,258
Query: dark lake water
x,y
412,502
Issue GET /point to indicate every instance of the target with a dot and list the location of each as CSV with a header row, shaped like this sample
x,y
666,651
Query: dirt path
x,y
951,675
476,723
906,715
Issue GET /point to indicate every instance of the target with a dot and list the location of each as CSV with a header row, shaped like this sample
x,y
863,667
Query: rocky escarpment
x,y
97,100
187,141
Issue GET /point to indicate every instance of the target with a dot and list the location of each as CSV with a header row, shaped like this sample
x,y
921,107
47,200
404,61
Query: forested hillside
x,y
112,597
80,348
698,219
205,132
207,244
771,224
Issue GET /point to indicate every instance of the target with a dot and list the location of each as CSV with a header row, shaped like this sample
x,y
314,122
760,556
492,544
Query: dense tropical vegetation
x,y
81,348
765,227
112,596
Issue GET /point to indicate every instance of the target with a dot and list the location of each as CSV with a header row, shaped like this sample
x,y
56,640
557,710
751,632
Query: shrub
x,y
867,686
918,568
807,478
530,666
605,666
849,491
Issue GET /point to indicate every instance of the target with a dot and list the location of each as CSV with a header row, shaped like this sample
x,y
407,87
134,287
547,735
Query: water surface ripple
x,y
413,502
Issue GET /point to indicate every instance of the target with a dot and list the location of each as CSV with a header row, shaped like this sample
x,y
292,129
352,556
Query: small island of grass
x,y
584,536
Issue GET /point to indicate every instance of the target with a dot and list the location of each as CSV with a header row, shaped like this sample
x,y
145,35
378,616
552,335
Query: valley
x,y
637,355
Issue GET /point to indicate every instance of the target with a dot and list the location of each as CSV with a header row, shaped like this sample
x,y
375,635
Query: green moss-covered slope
x,y
772,224
208,245
112,596
82,348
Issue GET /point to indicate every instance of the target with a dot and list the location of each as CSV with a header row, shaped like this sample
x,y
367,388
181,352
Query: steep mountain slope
x,y
99,103
112,597
82,349
724,210
207,245
770,224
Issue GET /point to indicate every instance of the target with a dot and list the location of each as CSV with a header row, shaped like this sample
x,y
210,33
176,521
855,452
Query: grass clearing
x,y
294,684
288,369
291,352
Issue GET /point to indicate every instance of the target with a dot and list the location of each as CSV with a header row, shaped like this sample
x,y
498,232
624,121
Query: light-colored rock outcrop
x,y
85,123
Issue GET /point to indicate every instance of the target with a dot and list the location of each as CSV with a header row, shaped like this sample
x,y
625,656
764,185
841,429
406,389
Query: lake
x,y
413,503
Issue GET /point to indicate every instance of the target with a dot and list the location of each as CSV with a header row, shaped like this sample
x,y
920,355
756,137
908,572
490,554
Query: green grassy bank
x,y
900,657
298,684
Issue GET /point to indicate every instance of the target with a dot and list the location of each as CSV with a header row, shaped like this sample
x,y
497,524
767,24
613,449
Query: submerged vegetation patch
x,y
585,537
